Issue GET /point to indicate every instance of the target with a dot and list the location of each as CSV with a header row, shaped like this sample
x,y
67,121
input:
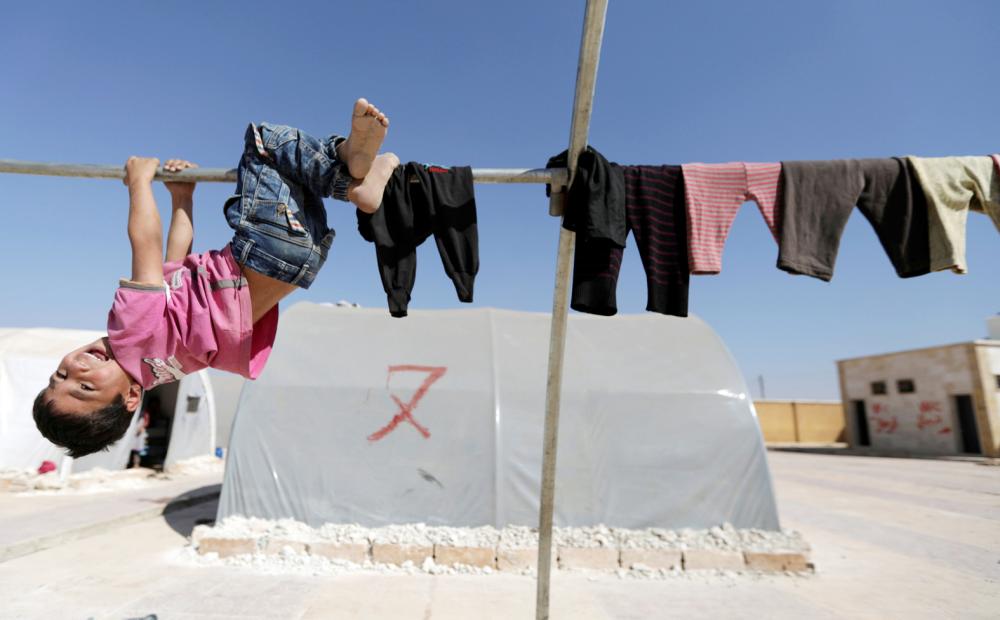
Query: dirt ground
x,y
892,538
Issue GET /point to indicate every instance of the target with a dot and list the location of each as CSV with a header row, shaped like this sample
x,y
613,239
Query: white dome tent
x,y
437,418
27,359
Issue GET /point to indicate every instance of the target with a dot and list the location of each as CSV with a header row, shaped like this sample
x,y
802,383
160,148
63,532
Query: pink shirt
x,y
199,317
714,193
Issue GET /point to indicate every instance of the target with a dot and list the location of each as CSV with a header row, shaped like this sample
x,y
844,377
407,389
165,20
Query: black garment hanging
x,y
421,200
595,205
654,205
604,203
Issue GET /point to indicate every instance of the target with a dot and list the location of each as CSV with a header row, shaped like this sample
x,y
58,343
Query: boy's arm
x,y
181,231
145,232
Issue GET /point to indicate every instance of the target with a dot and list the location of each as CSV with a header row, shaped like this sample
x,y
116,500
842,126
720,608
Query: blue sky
x,y
491,85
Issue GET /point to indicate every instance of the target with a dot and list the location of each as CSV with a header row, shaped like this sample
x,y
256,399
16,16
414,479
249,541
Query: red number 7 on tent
x,y
406,409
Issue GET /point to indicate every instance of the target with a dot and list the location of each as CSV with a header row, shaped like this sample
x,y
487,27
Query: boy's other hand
x,y
140,170
179,189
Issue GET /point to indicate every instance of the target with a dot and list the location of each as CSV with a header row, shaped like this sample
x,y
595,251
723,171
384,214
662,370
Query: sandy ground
x,y
892,538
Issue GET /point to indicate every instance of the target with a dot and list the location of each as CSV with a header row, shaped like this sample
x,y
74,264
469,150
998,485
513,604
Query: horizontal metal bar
x,y
98,171
557,176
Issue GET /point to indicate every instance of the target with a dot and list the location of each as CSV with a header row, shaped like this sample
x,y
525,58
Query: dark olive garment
x,y
421,200
817,201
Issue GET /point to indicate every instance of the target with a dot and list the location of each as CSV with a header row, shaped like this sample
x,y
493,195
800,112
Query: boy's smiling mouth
x,y
97,354
101,352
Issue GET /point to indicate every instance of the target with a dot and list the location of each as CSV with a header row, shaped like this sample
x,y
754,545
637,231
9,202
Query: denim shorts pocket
x,y
276,218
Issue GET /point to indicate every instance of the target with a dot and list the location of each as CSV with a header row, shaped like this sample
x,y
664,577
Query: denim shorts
x,y
277,212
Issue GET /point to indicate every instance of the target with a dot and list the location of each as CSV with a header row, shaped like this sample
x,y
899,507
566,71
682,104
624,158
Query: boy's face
x,y
89,378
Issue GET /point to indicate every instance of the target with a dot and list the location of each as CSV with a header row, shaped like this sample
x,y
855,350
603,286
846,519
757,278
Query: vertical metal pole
x,y
583,100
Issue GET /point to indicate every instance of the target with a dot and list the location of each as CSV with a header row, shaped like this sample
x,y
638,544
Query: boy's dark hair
x,y
82,434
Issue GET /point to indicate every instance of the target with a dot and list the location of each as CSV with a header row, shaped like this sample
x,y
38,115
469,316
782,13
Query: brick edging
x,y
519,559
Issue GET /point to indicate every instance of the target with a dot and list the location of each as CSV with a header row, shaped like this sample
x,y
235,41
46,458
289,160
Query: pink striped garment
x,y
714,193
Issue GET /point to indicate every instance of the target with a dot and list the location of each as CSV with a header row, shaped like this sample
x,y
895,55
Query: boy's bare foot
x,y
366,194
368,127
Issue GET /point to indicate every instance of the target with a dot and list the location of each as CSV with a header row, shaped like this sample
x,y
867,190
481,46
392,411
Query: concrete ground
x,y
892,538
30,523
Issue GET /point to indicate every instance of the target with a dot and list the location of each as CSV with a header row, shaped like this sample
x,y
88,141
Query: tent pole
x,y
583,100
557,176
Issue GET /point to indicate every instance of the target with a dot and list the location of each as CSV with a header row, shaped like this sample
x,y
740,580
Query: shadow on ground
x,y
844,450
195,507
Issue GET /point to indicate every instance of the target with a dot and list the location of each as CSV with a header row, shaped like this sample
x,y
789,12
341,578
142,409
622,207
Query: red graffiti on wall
x,y
884,423
406,409
930,406
930,416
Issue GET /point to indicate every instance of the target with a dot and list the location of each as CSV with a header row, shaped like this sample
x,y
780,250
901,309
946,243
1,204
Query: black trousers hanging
x,y
422,200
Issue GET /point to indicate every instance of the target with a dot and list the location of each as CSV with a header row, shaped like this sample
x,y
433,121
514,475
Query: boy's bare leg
x,y
366,194
265,292
368,127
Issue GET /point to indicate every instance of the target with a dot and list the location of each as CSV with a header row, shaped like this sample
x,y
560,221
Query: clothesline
x,y
557,176
680,216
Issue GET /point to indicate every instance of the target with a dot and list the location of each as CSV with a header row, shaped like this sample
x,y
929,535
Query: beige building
x,y
800,421
937,400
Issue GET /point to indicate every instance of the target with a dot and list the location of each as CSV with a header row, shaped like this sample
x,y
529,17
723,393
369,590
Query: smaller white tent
x,y
192,427
28,357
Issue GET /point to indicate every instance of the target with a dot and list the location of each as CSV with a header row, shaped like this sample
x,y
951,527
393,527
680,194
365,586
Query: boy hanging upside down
x,y
218,309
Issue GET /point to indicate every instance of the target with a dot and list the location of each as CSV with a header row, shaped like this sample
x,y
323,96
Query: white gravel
x,y
343,534
409,534
596,536
415,534
518,537
28,482
724,537
485,536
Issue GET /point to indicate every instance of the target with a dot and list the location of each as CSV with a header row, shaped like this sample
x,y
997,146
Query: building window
x,y
878,387
905,386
